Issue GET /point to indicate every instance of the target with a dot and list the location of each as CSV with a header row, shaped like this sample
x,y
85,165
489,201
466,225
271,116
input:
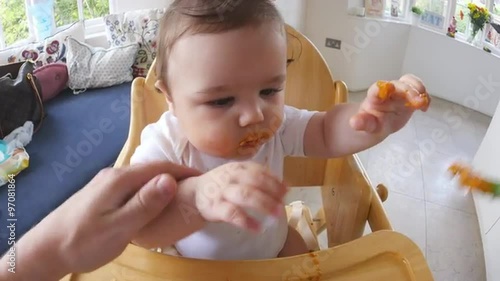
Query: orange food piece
x,y
385,89
469,179
424,101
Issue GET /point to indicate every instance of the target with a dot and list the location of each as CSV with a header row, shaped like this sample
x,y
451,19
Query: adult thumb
x,y
148,202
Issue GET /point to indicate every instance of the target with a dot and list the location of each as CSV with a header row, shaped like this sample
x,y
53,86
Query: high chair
x,y
349,202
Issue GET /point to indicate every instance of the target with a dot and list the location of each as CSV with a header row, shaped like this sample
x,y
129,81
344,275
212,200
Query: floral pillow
x,y
52,49
141,27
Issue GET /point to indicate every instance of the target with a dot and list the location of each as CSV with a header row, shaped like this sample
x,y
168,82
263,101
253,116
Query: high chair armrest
x,y
136,118
349,201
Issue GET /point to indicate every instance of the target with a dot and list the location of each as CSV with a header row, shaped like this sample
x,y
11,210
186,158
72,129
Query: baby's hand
x,y
389,105
226,193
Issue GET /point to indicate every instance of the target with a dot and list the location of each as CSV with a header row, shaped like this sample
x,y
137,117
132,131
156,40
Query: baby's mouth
x,y
254,139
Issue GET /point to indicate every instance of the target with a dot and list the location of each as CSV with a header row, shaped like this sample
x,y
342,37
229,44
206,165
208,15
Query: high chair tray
x,y
382,255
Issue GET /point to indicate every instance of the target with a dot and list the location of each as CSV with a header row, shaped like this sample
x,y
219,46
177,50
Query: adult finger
x,y
147,203
129,179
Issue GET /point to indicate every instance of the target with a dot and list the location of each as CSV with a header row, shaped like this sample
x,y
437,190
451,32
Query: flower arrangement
x,y
479,17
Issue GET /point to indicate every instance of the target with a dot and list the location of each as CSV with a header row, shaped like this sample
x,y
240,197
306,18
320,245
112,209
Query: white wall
x,y
487,208
371,50
454,70
294,11
120,6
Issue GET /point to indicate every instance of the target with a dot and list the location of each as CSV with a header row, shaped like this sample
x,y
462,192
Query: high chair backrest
x,y
309,86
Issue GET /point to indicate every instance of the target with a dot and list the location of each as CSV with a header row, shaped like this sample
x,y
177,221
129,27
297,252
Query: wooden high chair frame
x,y
349,201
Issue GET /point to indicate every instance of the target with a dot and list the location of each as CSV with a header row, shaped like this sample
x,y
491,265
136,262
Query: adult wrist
x,y
32,258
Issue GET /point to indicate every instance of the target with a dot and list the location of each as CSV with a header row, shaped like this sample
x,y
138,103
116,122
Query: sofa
x,y
80,135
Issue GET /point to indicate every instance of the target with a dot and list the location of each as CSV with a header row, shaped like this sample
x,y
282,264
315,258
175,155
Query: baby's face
x,y
227,89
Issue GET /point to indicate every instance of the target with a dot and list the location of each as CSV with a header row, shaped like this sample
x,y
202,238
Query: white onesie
x,y
163,140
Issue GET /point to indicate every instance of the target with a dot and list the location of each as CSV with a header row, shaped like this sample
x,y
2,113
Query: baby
x,y
222,68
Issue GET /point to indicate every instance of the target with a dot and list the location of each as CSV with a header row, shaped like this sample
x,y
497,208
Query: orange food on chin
x,y
255,139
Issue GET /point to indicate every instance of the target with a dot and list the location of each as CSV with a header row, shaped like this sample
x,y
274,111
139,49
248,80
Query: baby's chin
x,y
240,153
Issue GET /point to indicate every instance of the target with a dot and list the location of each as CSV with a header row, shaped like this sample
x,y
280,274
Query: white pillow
x,y
95,67
52,49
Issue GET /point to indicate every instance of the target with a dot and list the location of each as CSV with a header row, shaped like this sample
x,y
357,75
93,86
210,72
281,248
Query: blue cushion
x,y
80,135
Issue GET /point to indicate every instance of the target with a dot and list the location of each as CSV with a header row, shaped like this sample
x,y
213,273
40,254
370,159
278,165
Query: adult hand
x,y
95,225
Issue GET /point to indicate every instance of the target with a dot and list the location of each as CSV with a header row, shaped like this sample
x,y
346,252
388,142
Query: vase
x,y
475,36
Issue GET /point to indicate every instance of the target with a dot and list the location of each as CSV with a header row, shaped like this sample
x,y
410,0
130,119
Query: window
x,y
19,18
67,11
493,30
461,9
13,21
436,6
396,8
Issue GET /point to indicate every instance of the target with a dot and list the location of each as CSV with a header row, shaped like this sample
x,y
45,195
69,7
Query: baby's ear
x,y
162,87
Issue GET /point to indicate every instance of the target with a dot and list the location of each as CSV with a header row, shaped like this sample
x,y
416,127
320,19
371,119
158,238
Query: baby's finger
x,y
228,212
364,122
414,98
401,92
424,102
414,82
249,197
260,178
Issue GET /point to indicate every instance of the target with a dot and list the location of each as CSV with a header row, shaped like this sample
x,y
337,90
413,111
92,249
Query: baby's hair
x,y
187,17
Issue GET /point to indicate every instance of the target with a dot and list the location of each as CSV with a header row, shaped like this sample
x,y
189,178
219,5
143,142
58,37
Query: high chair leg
x,y
319,221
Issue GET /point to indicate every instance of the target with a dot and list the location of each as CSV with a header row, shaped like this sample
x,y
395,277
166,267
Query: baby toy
x,y
452,29
473,181
11,163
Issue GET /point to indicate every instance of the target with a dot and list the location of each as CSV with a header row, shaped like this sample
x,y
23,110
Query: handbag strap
x,y
31,78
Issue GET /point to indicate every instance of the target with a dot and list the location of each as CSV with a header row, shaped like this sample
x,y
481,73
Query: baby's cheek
x,y
215,141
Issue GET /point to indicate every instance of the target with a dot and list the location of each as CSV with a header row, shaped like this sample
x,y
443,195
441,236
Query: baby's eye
x,y
221,102
269,92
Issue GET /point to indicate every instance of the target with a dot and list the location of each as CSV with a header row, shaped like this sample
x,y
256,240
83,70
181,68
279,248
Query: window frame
x,y
93,27
448,15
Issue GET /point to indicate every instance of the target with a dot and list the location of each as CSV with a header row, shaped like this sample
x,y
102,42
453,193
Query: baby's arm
x,y
350,128
330,135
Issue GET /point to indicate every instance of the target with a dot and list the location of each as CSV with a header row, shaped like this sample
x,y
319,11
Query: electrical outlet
x,y
333,43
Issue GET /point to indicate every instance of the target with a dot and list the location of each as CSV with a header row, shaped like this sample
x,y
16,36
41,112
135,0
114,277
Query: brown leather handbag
x,y
20,98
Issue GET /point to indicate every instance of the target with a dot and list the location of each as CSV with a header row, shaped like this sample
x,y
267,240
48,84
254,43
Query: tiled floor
x,y
424,203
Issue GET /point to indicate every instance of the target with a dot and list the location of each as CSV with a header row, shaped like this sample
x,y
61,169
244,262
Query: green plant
x,y
416,10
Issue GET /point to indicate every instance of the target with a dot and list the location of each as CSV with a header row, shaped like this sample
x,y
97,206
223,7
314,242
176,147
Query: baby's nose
x,y
250,116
